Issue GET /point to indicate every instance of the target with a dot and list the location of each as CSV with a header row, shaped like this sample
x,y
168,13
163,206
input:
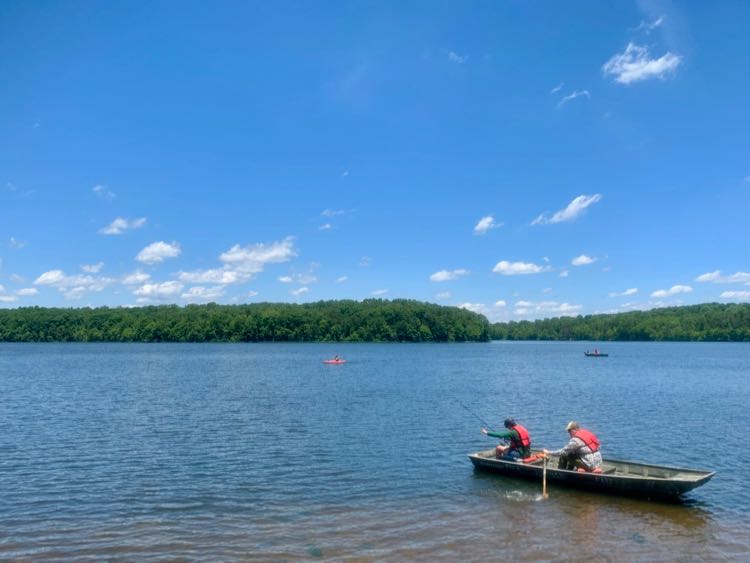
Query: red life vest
x,y
523,440
588,438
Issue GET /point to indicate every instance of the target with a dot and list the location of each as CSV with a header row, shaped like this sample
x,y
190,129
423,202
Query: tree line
x,y
709,322
372,320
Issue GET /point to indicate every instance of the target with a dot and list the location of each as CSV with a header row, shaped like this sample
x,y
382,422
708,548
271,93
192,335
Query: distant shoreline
x,y
708,322
372,320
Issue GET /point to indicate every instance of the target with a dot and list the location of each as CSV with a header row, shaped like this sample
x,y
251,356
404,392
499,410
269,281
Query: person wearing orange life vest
x,y
518,438
582,452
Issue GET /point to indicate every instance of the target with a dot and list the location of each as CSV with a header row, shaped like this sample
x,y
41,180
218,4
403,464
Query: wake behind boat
x,y
617,477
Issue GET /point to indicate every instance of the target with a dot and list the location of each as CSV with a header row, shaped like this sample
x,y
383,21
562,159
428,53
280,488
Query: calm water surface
x,y
259,451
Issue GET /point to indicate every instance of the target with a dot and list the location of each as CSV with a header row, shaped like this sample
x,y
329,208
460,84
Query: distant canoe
x,y
617,477
595,355
334,361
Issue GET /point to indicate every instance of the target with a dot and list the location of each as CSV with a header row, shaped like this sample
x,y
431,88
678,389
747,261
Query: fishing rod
x,y
471,412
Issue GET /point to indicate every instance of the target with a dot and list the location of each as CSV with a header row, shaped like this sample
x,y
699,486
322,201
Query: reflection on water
x,y
260,452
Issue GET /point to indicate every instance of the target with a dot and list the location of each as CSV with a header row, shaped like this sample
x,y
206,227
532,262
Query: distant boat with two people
x,y
595,354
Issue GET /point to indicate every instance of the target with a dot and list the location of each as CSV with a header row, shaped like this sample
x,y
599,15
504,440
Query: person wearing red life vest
x,y
582,452
518,438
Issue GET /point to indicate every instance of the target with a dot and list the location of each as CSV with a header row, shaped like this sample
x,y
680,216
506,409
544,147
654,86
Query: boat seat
x,y
603,470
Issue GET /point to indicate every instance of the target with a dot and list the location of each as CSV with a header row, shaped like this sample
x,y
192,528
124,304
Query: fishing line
x,y
471,412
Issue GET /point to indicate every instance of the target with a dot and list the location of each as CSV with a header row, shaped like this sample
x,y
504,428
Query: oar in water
x,y
544,478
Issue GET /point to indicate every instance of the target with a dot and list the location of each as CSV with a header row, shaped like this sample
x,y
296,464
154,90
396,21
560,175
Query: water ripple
x,y
154,452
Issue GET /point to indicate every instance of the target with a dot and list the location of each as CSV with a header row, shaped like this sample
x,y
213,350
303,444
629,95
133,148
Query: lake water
x,y
260,451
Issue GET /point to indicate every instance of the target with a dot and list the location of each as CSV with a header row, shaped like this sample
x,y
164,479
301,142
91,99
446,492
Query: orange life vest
x,y
588,438
523,440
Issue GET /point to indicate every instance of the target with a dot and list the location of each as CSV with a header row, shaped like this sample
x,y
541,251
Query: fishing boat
x,y
617,477
595,354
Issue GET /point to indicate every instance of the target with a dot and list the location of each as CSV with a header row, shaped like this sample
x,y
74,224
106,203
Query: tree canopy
x,y
706,322
372,320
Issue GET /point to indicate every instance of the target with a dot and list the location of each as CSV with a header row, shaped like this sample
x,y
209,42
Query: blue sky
x,y
521,159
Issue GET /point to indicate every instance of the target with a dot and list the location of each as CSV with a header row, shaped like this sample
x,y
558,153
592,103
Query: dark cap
x,y
509,423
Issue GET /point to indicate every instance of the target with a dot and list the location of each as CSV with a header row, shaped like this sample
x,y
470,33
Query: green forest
x,y
710,322
372,320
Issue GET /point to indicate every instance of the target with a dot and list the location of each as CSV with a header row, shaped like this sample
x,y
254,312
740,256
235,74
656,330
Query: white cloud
x,y
365,261
456,58
742,295
299,291
163,290
635,64
27,291
220,276
518,268
120,225
203,294
157,252
325,227
8,298
378,292
252,259
523,310
582,260
442,296
573,96
92,268
564,273
73,287
342,279
302,279
136,278
674,290
252,294
545,308
486,224
51,277
557,88
716,277
335,212
574,209
15,243
101,191
445,275
648,27
631,291
479,308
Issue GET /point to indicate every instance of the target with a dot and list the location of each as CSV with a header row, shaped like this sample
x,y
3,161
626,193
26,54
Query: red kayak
x,y
334,361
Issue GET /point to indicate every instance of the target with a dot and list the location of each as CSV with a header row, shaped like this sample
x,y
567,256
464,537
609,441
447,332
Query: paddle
x,y
544,478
